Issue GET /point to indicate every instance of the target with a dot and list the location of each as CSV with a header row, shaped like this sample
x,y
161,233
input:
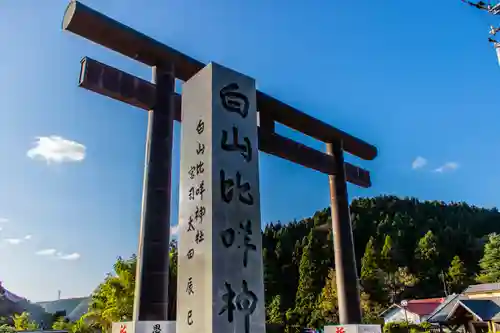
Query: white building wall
x,y
397,315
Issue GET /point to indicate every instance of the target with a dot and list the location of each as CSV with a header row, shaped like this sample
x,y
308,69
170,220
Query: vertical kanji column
x,y
220,273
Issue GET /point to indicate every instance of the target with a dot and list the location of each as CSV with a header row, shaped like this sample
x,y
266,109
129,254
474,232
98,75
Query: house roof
x,y
483,309
424,307
485,287
382,314
428,300
421,307
440,314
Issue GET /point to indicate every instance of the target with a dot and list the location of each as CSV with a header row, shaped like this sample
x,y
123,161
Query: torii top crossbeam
x,y
118,37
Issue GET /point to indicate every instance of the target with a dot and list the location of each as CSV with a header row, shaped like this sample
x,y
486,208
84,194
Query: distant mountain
x,y
42,312
11,303
9,295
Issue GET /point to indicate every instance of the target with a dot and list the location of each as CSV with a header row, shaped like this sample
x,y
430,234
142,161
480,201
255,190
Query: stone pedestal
x,y
144,327
352,328
220,275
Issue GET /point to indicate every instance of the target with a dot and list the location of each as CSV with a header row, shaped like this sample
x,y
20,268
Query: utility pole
x,y
445,288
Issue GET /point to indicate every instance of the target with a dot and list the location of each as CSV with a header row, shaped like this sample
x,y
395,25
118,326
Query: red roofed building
x,y
415,311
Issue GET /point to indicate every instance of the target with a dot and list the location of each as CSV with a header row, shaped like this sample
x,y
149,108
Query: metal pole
x,y
407,323
151,290
404,304
345,261
445,288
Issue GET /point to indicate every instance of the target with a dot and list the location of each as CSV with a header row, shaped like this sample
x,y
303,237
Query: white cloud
x,y
17,241
174,229
14,241
419,162
58,255
448,166
1,228
72,256
46,252
3,220
57,149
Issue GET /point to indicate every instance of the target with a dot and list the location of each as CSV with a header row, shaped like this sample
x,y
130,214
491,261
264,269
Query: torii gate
x,y
164,105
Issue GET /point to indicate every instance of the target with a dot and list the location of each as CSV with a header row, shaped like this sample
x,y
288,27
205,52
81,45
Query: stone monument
x,y
220,274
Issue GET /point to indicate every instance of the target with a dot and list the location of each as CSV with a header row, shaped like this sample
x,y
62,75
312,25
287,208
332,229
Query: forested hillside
x,y
405,249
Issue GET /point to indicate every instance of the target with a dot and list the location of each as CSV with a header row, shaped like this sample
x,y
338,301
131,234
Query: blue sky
x,y
415,78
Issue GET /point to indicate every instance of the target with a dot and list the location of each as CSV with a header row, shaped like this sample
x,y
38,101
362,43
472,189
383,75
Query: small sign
x,y
123,327
144,327
155,327
369,329
341,329
351,328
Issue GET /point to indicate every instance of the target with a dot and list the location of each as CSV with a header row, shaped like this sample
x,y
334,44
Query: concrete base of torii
x,y
352,328
144,327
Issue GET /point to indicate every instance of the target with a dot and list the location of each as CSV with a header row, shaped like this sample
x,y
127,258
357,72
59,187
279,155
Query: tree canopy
x,y
490,262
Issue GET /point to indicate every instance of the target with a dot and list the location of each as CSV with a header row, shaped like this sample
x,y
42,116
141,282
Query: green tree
x,y
327,310
427,255
275,313
426,250
62,324
370,309
5,328
172,278
311,279
387,263
490,262
371,273
271,272
23,322
82,326
456,276
399,282
395,279
113,300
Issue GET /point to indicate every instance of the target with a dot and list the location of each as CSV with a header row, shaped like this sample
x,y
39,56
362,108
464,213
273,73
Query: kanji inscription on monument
x,y
220,274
